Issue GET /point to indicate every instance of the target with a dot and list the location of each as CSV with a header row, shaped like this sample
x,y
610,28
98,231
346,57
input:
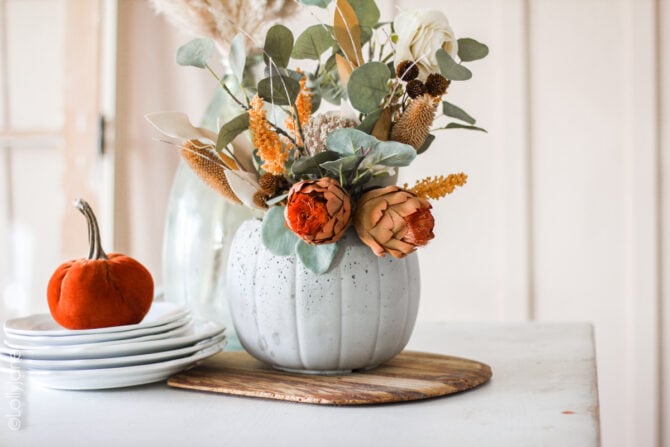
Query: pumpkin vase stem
x,y
95,246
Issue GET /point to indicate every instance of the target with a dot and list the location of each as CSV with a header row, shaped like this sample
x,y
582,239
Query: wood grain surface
x,y
409,376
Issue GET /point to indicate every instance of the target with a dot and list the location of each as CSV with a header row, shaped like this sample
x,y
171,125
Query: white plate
x,y
44,324
179,331
113,362
199,331
96,379
51,340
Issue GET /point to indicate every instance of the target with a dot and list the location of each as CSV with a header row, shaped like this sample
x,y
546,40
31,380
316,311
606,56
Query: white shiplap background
x,y
566,215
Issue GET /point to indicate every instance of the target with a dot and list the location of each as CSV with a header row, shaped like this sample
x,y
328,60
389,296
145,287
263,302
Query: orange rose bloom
x,y
392,220
318,211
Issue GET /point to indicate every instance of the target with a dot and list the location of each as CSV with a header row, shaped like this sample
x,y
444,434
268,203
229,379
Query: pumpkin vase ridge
x,y
357,315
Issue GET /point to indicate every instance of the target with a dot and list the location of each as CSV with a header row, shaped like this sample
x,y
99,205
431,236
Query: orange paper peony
x,y
392,220
318,211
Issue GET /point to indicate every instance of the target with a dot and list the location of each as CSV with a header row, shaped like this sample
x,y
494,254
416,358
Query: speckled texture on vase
x,y
358,314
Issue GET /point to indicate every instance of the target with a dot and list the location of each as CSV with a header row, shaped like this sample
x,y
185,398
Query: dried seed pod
x,y
407,70
436,84
268,183
260,198
415,88
414,125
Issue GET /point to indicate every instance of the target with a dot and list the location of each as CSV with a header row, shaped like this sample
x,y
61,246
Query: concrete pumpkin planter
x,y
357,315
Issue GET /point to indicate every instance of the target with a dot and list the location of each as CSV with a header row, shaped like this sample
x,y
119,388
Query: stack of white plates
x,y
165,342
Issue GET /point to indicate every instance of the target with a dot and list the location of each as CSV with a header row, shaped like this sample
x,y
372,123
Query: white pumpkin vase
x,y
357,315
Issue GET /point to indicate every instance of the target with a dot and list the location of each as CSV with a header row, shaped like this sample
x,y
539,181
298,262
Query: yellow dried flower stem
x,y
437,187
303,108
207,165
270,147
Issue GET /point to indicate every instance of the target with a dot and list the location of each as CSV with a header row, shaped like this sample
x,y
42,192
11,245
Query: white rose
x,y
420,34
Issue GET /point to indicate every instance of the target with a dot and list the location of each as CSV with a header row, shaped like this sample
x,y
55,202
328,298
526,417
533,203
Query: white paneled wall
x,y
564,214
663,108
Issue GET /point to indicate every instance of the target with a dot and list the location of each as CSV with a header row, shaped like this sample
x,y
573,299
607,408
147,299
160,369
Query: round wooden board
x,y
408,376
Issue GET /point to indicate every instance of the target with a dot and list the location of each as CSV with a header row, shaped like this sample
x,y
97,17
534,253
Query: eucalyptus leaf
x,y
368,85
369,121
310,165
276,237
366,11
463,126
238,56
456,112
313,42
319,3
471,50
391,153
342,165
279,90
278,46
195,53
232,129
275,200
450,69
316,258
349,141
426,144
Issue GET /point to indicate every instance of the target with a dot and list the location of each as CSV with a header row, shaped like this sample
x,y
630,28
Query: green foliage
x,y
463,126
369,121
238,57
276,237
471,50
368,86
310,165
450,69
316,258
426,144
313,42
456,112
391,153
232,129
349,141
279,90
278,46
319,3
195,53
342,166
363,155
366,11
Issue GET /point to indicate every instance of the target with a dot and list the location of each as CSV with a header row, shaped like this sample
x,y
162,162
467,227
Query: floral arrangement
x,y
317,173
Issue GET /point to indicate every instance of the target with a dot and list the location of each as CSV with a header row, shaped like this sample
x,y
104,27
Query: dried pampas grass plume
x,y
414,125
205,162
215,18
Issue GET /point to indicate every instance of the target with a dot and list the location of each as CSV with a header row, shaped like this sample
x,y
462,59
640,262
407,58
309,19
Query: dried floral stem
x,y
227,90
437,187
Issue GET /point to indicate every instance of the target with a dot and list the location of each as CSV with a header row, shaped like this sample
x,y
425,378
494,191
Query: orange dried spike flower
x,y
303,107
205,162
269,145
303,102
437,187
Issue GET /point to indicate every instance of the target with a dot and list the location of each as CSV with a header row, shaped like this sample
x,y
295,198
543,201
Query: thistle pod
x,y
101,290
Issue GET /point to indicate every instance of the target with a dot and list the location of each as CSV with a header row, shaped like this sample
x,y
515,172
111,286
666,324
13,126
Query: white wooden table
x,y
543,392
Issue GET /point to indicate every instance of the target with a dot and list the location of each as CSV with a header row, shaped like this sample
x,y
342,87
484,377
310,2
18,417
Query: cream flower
x,y
420,34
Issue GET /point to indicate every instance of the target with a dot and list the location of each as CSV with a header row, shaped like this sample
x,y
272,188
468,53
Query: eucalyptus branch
x,y
226,89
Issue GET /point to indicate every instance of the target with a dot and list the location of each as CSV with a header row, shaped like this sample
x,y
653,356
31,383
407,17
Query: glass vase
x,y
199,229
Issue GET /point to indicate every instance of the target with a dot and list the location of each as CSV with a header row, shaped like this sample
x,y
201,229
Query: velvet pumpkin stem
x,y
95,246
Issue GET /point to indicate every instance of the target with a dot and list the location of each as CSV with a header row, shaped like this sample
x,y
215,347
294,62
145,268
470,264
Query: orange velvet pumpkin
x,y
101,290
